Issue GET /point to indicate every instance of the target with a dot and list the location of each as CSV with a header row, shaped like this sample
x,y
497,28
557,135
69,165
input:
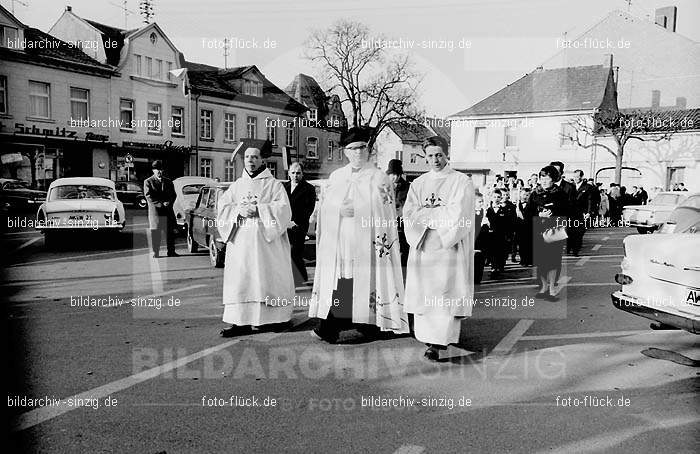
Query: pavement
x,y
145,370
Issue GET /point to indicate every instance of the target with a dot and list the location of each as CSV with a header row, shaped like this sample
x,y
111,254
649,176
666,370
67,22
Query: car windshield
x,y
81,191
692,202
191,189
664,199
16,185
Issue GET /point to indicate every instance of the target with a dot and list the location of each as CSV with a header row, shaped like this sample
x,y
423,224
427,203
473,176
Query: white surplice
x,y
439,226
258,283
364,247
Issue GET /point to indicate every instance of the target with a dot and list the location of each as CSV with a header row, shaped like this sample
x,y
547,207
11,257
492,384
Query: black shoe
x,y
432,354
544,294
552,298
326,337
235,330
173,254
156,255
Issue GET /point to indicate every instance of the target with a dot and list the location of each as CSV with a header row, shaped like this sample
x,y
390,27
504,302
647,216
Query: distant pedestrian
x,y
395,172
160,196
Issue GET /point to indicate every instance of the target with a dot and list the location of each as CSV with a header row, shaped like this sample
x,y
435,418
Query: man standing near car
x,y
581,212
302,198
160,195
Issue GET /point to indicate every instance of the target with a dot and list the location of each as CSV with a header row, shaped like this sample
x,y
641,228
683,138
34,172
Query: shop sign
x,y
62,133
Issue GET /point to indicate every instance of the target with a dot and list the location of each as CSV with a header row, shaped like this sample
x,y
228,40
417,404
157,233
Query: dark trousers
x,y
524,237
167,227
575,240
340,317
499,250
297,239
404,249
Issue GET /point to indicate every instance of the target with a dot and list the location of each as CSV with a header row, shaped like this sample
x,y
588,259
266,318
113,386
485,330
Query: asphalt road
x,y
548,377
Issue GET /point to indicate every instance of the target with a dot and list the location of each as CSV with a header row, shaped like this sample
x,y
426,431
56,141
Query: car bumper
x,y
632,305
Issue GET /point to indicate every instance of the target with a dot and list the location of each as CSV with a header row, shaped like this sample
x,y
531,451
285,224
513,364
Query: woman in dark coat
x,y
547,207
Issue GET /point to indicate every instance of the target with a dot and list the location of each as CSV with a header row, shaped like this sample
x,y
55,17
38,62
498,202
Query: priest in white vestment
x,y
253,216
439,225
358,281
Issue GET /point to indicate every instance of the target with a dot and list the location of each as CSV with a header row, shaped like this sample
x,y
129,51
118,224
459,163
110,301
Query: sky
x,y
502,39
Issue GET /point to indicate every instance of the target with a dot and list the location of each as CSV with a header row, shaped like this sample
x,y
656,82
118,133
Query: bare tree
x,y
377,88
641,125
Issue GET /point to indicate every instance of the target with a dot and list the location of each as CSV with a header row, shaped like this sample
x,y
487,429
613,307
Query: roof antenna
x,y
146,8
126,12
227,48
13,5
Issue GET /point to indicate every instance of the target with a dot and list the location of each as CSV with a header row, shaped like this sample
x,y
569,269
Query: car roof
x,y
219,184
96,181
184,181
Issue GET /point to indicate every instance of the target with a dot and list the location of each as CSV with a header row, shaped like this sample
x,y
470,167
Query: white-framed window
x,y
3,95
205,119
126,113
229,170
566,134
170,68
178,117
8,35
149,67
272,134
206,167
273,168
312,147
331,145
480,138
39,99
252,127
252,88
313,114
289,136
510,137
159,69
229,128
137,65
155,122
79,103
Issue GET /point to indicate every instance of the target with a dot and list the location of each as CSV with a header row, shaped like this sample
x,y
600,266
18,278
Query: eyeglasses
x,y
357,148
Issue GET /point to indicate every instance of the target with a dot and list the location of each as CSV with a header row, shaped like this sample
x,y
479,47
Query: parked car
x,y
80,204
648,218
660,277
200,224
16,195
685,217
131,192
187,190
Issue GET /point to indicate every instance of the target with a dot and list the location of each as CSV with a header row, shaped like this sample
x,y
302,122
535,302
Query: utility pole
x,y
226,52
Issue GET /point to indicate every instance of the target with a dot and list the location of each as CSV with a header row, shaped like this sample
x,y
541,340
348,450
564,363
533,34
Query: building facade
x,y
48,88
147,106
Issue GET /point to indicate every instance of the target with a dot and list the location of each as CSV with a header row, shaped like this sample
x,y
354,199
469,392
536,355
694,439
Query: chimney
x,y
666,17
681,102
607,60
655,99
69,8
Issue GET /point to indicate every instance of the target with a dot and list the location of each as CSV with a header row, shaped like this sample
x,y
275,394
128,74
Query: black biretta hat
x,y
157,164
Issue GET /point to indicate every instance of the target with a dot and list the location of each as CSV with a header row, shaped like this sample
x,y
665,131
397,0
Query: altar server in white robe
x,y
358,281
253,216
439,225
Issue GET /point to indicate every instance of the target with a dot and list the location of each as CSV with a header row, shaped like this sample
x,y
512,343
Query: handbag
x,y
554,234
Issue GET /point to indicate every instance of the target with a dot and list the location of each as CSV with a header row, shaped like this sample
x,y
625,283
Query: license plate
x,y
75,218
692,297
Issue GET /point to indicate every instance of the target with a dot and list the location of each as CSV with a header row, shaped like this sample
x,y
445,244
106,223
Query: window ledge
x,y
177,134
6,116
152,81
128,131
41,120
202,139
154,133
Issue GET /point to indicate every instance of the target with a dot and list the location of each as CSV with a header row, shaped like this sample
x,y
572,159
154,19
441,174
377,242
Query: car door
x,y
197,224
209,215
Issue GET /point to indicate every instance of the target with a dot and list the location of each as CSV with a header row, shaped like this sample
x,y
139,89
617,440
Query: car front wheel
x,y
216,255
192,246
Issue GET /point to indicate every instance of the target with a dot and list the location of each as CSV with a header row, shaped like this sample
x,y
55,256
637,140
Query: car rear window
x,y
191,189
692,202
82,191
665,199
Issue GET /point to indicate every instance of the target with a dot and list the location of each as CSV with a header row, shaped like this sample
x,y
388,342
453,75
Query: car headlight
x,y
623,279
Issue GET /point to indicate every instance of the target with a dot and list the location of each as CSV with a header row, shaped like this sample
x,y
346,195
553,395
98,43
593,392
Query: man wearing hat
x,y
160,195
252,217
439,215
395,172
358,264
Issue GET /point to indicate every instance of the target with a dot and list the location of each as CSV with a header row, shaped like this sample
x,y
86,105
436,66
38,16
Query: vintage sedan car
x,y
685,217
16,195
187,190
200,224
131,192
660,278
80,204
648,218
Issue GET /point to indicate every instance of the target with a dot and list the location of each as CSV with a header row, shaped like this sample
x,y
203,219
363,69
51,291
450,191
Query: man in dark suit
x,y
395,172
160,195
523,229
302,198
501,216
481,237
581,213
570,191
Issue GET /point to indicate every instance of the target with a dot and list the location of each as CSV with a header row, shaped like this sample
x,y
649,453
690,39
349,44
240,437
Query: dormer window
x,y
8,37
313,114
154,38
252,88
